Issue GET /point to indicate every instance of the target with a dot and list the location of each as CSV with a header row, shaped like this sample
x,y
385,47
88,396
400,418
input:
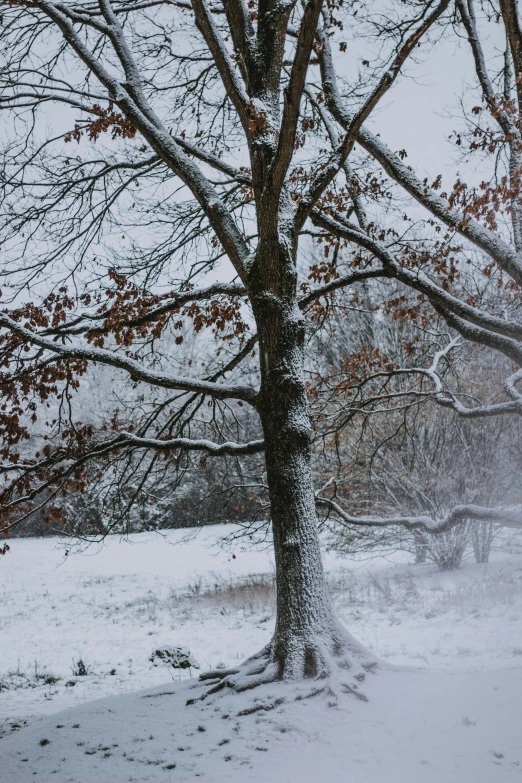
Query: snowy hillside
x,y
457,717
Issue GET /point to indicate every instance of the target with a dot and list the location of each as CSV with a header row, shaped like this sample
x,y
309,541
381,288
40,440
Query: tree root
x,y
331,664
217,674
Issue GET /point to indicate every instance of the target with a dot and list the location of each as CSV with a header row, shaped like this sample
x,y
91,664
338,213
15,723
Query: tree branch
x,y
419,280
228,448
292,101
174,302
235,89
511,19
507,517
341,282
324,177
487,240
242,32
136,371
169,151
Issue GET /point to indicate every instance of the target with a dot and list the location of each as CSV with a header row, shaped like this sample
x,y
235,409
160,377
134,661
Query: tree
x,y
204,139
412,457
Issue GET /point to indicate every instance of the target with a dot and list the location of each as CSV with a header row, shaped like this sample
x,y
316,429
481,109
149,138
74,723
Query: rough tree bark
x,y
308,641
307,635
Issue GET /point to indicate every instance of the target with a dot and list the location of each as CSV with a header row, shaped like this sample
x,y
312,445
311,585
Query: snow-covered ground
x,y
453,715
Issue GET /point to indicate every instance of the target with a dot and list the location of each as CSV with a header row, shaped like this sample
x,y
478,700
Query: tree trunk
x,y
308,642
304,612
482,538
421,548
308,638
447,549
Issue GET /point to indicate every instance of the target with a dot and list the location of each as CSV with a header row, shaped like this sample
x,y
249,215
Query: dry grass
x,y
250,595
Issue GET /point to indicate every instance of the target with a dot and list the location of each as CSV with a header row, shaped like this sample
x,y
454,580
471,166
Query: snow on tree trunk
x,y
304,613
308,642
308,637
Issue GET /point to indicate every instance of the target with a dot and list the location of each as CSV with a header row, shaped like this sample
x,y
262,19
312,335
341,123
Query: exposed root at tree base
x,y
330,665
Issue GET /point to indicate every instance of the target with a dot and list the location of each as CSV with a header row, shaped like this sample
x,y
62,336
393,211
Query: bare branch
x,y
420,281
340,282
508,258
324,177
235,89
293,94
140,113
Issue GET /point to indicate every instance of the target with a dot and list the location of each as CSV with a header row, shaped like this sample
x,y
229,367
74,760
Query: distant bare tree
x,y
381,444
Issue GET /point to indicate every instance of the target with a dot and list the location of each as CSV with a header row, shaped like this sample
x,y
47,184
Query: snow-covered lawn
x,y
454,716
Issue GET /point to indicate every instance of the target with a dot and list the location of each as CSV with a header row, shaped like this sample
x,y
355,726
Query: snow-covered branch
x,y
228,448
484,238
505,334
325,175
507,517
134,369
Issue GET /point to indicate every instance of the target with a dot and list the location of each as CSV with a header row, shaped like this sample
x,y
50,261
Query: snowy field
x,y
453,713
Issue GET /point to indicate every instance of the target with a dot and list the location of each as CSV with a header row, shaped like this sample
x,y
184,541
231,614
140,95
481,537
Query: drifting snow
x,y
457,719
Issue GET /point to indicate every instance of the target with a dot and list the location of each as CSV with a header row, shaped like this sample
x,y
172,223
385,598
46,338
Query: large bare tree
x,y
164,158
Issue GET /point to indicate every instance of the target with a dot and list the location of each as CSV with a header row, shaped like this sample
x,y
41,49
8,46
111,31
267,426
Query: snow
x,y
452,713
416,726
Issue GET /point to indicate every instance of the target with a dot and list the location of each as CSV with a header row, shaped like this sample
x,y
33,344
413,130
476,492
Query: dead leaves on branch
x,y
131,316
119,125
34,383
